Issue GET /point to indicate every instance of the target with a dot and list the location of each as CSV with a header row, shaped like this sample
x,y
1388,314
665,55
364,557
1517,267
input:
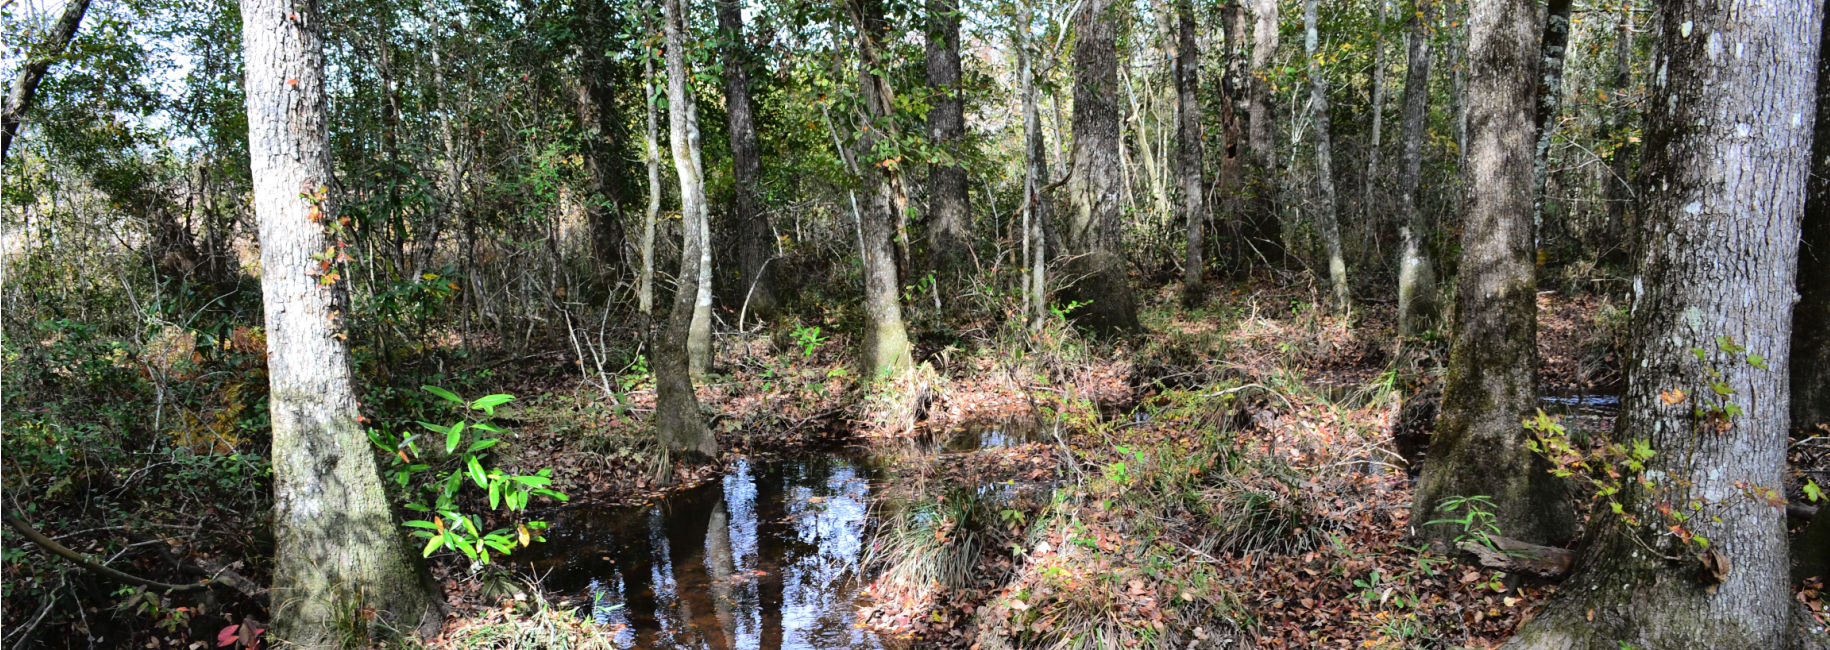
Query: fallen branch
x,y
220,575
1514,556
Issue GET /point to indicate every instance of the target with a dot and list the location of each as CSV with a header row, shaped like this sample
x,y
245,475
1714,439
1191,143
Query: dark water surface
x,y
765,557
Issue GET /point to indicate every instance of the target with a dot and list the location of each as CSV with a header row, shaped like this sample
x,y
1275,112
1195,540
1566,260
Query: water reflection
x,y
763,558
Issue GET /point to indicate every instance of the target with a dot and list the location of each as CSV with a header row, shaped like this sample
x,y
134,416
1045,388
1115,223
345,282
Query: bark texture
x,y
1369,212
337,545
644,291
601,118
755,238
1037,208
1328,215
678,423
886,340
1550,102
1418,308
1727,143
1190,171
25,86
1811,322
1479,447
948,249
1264,232
1096,271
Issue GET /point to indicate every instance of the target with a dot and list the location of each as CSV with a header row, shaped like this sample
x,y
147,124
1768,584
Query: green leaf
x,y
432,546
533,481
481,445
495,494
448,395
1814,492
452,437
476,473
434,427
489,403
485,426
421,523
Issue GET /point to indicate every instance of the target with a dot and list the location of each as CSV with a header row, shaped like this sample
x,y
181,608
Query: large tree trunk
x,y
1811,324
1417,299
1264,230
1233,81
1189,160
678,422
1479,447
948,248
337,545
1328,219
755,239
886,341
25,86
1550,101
603,125
1096,273
1726,172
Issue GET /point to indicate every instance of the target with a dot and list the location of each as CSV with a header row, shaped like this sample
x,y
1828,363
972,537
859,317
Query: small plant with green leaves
x,y
434,472
808,338
1477,521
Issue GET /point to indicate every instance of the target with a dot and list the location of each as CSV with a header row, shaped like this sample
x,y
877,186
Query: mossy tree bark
x,y
1811,322
1328,216
1190,160
1479,447
337,544
1417,299
948,248
886,340
1096,273
755,238
678,423
1726,174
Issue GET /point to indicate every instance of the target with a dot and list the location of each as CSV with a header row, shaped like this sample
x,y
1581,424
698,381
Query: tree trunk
x,y
652,154
1417,299
25,87
337,545
886,341
1479,447
755,239
1329,218
1550,101
1264,231
678,422
1811,324
1233,81
1037,208
1097,276
948,248
602,123
1727,162
1189,159
1368,212
1619,189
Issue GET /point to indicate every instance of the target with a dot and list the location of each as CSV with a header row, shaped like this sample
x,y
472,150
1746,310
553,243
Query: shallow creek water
x,y
764,557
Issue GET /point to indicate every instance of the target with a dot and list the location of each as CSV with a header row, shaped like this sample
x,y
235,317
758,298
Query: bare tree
x,y
1417,301
678,423
1726,170
886,340
1328,218
337,544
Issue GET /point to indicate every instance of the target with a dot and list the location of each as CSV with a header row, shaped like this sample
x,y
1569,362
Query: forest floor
x,y
1241,472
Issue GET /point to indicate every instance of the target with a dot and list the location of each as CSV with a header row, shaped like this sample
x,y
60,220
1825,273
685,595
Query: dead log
x,y
1513,556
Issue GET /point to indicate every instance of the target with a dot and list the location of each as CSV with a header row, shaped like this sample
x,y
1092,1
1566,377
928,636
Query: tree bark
x,y
886,348
678,422
1264,231
1037,207
602,122
1550,101
337,544
948,247
1233,104
1369,213
1417,299
24,88
1726,170
1328,220
1190,171
652,157
1096,271
1479,447
1619,189
755,238
1810,369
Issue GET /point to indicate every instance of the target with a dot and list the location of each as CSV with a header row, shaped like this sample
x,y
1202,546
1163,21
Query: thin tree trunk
x,y
678,423
20,94
1329,219
1417,299
1550,101
1232,173
1810,370
1727,167
1189,161
1619,188
1037,208
947,195
1368,213
755,239
1097,273
1479,448
886,341
337,544
684,129
602,122
652,155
